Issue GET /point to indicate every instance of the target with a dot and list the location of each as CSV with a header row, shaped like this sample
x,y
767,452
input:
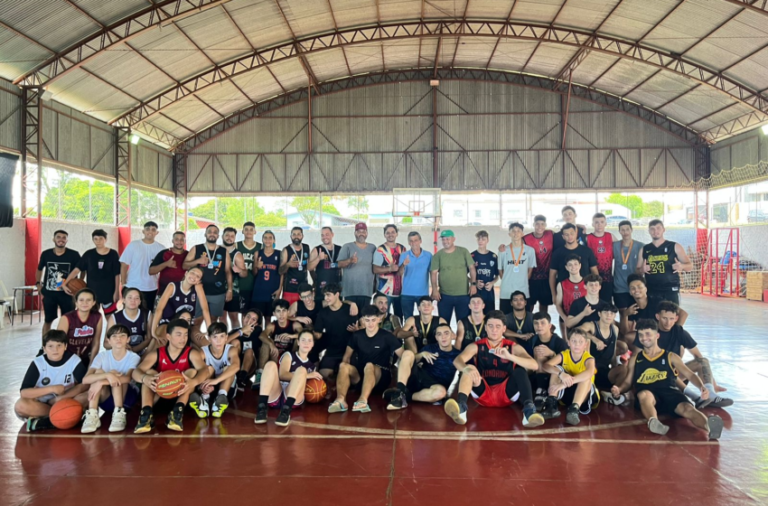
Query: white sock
x,y
222,392
711,389
692,392
206,397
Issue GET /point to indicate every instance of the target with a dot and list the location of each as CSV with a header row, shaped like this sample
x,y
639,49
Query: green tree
x,y
653,209
360,205
308,208
234,211
631,202
72,198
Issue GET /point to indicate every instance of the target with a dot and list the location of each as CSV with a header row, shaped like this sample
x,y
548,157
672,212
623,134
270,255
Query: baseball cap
x,y
447,233
361,226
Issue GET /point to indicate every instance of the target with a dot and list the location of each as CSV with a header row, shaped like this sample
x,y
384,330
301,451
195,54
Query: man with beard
x,y
356,258
662,262
248,247
217,273
169,263
324,263
386,264
293,265
57,262
236,260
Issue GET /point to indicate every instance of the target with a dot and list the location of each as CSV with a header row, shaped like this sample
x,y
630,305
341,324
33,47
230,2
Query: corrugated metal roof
x,y
110,11
55,25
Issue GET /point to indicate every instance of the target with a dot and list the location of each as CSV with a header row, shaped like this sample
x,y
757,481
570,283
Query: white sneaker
x,y
91,421
118,420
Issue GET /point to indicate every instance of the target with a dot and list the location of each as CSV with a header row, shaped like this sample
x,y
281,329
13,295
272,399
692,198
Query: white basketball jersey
x,y
61,375
218,364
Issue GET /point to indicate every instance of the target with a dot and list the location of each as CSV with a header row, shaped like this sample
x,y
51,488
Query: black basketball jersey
x,y
282,345
214,273
603,358
426,331
137,328
493,369
296,276
660,259
654,372
328,270
301,310
472,332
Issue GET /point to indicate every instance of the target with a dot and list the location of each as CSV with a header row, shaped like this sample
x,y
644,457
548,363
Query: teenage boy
x,y
249,346
136,261
248,248
101,266
278,336
109,379
169,263
472,328
517,263
606,347
520,322
419,330
178,356
223,362
542,242
487,268
545,345
569,290
584,309
55,375
625,257
57,263
601,244
568,214
332,329
237,264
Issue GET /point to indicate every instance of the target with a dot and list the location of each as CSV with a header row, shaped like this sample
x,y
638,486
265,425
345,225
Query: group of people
x,y
362,318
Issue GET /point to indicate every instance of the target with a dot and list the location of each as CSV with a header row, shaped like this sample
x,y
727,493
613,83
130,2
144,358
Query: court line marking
x,y
724,477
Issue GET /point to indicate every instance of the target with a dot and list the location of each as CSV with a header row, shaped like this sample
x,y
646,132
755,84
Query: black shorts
x,y
601,379
623,300
148,302
505,306
540,292
670,294
489,298
667,400
265,308
421,380
55,301
590,403
331,362
384,380
606,291
245,300
233,306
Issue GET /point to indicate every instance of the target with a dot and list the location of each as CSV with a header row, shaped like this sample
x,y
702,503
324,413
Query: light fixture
x,y
764,128
135,139
434,82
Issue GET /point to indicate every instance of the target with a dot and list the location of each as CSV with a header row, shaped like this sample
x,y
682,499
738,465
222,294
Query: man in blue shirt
x,y
414,268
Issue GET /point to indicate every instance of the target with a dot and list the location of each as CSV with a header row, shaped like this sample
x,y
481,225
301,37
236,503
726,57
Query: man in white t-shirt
x,y
109,378
516,264
136,261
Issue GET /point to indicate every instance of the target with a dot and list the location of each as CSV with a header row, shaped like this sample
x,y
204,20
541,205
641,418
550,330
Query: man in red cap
x,y
356,260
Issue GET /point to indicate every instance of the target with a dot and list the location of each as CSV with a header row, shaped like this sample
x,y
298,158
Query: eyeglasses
x,y
306,297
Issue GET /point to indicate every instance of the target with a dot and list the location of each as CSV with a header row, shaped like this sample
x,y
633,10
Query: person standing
x,y
56,263
557,268
516,264
237,263
248,247
356,258
569,216
217,273
450,286
169,263
267,280
135,262
414,270
601,244
625,259
487,268
101,266
324,264
662,262
386,266
542,242
293,265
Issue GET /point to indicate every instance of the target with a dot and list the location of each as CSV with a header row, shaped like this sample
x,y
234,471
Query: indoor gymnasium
x,y
384,252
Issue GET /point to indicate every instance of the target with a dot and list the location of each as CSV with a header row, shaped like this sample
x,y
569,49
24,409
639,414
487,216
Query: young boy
x,y
283,386
178,356
545,345
278,336
605,348
419,330
601,244
223,362
55,375
573,380
110,382
568,290
487,266
584,309
248,343
472,328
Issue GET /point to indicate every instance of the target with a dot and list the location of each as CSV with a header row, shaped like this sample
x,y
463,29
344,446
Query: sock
x,y
462,399
146,410
401,387
206,397
711,388
179,406
263,399
692,392
574,407
289,402
43,423
529,405
222,392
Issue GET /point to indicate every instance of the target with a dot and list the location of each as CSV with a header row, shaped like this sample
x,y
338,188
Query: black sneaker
x,y
146,421
41,423
261,414
284,418
176,419
550,409
398,401
572,416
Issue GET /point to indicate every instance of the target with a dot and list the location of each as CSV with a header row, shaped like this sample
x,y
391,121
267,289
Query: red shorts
x,y
291,297
494,396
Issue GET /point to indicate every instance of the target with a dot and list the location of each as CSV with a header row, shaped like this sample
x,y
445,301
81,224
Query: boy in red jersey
x,y
601,244
177,355
568,290
542,242
494,371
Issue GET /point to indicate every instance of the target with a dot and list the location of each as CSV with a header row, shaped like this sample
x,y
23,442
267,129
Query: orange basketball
x,y
76,285
66,413
169,383
315,390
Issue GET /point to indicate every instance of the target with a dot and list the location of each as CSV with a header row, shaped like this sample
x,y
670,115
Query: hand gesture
x,y
502,353
354,257
322,256
677,267
352,327
407,261
633,309
259,263
171,263
394,268
293,262
429,357
600,345
203,260
588,310
646,267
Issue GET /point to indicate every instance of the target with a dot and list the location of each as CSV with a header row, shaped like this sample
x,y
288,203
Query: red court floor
x,y
417,456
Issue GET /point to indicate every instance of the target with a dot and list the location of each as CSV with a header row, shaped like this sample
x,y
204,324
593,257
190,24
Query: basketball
x,y
76,285
315,390
66,413
169,383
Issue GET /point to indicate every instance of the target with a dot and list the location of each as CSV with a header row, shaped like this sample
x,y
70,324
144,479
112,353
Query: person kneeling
x,y
573,379
55,375
498,377
367,362
284,387
223,362
110,382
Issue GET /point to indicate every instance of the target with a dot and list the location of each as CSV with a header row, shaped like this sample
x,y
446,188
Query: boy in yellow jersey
x,y
573,379
653,372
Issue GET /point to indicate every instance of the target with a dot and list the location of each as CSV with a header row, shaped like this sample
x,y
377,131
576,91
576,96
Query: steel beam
x,y
123,177
31,149
181,215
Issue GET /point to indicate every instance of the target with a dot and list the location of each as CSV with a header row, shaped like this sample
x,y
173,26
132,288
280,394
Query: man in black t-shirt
x,y
545,345
332,329
368,362
557,270
101,266
57,263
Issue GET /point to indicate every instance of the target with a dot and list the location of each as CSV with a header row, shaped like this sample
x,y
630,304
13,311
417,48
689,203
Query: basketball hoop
x,y
417,213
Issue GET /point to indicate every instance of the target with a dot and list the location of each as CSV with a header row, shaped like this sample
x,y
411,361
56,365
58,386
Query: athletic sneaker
x,y
715,426
91,421
146,421
284,418
655,426
176,419
198,404
610,399
456,411
118,420
714,402
623,359
261,414
572,416
219,405
397,402
550,408
531,418
41,423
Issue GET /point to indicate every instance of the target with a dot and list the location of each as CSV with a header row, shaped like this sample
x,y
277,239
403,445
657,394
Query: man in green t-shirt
x,y
248,247
450,286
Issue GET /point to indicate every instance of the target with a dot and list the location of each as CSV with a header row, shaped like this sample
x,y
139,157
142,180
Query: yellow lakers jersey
x,y
574,368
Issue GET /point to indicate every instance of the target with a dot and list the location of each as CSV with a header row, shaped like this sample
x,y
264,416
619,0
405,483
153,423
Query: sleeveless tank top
x,y
602,247
214,273
137,328
297,276
81,334
573,367
179,301
246,283
327,271
472,332
493,369
426,331
605,357
267,280
218,364
660,259
654,372
543,247
282,345
571,292
166,363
